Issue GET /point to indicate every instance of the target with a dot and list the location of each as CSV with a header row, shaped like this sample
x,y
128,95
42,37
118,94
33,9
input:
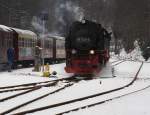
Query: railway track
x,y
104,101
27,88
30,85
36,85
115,63
33,87
81,99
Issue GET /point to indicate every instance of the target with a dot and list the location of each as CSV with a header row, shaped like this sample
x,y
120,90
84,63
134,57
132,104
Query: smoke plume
x,y
66,12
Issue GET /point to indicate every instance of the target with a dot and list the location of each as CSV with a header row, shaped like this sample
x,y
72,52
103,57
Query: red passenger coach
x,y
6,41
60,48
54,48
87,48
24,43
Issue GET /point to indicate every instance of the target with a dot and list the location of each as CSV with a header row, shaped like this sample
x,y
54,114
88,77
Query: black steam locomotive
x,y
87,47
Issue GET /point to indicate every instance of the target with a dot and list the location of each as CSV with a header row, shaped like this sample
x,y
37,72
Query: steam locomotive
x,y
87,47
24,42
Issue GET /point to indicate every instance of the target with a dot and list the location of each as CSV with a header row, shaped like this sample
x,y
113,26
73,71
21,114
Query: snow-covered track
x,y
117,62
33,85
82,98
31,88
26,88
101,102
36,99
68,84
18,94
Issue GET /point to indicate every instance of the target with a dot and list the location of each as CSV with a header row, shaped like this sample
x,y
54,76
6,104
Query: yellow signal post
x,y
46,72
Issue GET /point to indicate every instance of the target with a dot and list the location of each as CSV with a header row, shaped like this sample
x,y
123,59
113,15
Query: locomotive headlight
x,y
74,51
92,52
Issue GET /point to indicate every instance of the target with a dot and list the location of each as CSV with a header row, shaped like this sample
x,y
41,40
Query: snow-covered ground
x,y
134,103
21,76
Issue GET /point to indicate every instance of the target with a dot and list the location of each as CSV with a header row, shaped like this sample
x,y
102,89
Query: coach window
x,y
50,45
0,40
28,43
21,42
24,42
9,42
5,42
31,43
47,43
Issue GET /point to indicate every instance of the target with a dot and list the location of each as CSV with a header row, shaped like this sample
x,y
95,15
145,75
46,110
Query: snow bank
x,y
5,28
135,54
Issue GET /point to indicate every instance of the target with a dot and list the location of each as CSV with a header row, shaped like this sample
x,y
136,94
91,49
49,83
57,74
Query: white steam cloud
x,y
65,13
38,25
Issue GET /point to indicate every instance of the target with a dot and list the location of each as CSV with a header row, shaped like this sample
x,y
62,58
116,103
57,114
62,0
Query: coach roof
x,y
25,33
5,28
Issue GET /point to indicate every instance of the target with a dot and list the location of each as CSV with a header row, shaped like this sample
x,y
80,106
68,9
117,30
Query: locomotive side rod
x,y
80,99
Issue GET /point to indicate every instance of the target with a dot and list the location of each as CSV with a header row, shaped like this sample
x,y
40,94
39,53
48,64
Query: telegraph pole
x,y
44,18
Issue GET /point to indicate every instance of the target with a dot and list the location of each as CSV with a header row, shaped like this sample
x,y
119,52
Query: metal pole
x,y
43,45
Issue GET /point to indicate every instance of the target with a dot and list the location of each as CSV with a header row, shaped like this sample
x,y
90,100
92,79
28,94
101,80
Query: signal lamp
x,y
74,51
92,52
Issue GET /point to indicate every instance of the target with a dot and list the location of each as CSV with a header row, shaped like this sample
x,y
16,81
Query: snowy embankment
x,y
124,73
22,76
82,89
136,103
87,88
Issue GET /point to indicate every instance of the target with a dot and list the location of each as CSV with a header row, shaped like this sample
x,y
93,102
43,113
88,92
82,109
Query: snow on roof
x,y
5,28
25,33
59,37
51,36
